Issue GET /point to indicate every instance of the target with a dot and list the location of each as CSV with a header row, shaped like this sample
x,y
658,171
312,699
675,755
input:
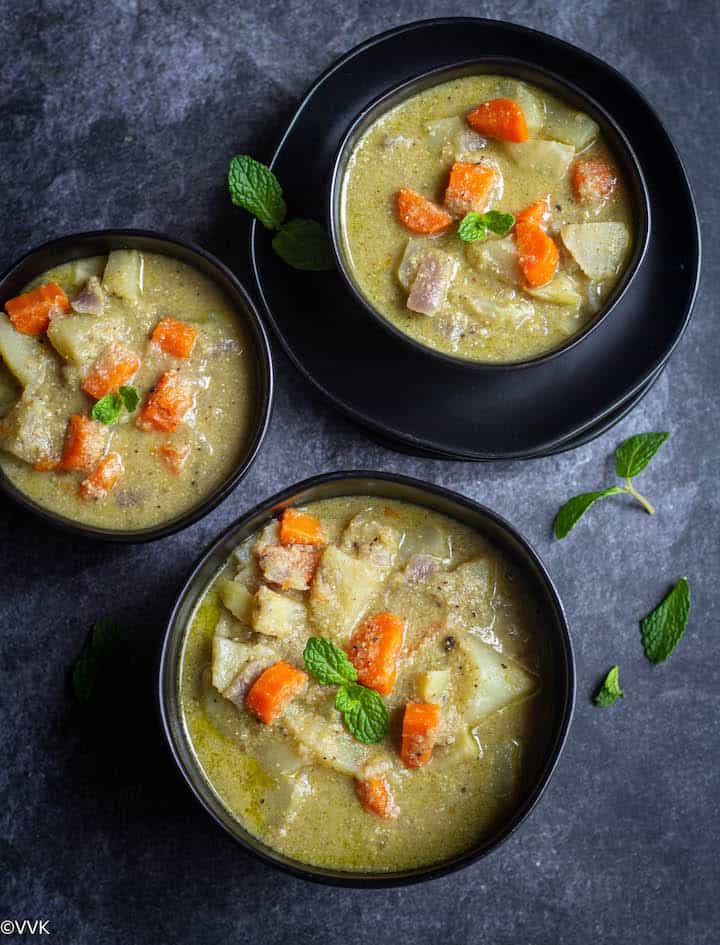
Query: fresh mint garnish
x,y
130,398
107,410
304,244
328,663
610,690
663,629
631,457
100,641
476,226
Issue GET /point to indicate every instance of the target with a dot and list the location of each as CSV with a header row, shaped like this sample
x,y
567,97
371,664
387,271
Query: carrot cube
x,y
374,649
537,252
536,213
420,215
273,690
419,733
376,797
174,456
30,312
299,528
500,118
593,181
469,188
168,403
174,337
115,366
84,444
103,478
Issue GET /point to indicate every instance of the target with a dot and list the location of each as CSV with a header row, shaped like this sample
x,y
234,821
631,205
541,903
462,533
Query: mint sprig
x,y
476,226
663,628
101,639
302,244
107,410
610,691
363,709
631,457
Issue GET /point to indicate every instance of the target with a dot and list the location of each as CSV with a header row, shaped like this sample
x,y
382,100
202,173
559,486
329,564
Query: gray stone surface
x,y
125,113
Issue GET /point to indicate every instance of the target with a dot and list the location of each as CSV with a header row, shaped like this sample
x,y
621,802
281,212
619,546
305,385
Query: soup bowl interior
x,y
562,88
501,534
81,245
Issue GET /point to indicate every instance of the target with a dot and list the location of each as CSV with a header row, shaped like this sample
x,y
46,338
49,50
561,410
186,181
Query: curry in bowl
x,y
485,218
127,390
367,686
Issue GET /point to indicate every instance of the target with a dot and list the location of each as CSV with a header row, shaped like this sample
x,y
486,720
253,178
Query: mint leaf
x,y
610,690
634,454
328,663
498,223
130,398
101,639
663,629
574,509
304,244
107,409
254,187
475,226
364,711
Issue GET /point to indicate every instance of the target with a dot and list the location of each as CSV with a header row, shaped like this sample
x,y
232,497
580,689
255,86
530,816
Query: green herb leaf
x,y
103,636
574,509
328,663
304,244
633,455
610,690
498,223
364,711
107,409
254,187
130,398
663,629
474,226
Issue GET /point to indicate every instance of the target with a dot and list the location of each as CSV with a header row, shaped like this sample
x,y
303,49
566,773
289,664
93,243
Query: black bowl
x,y
566,92
99,242
388,486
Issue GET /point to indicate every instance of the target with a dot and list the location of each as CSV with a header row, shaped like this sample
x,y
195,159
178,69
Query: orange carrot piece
x,y
299,528
274,688
593,180
174,337
536,213
30,312
376,797
103,478
115,366
420,215
46,464
469,188
538,254
374,649
174,456
500,118
419,733
84,444
168,403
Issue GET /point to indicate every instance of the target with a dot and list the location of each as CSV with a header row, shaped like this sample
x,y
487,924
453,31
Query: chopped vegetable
x,y
551,159
327,741
593,181
419,733
174,456
536,213
80,339
489,680
537,252
90,300
31,312
420,215
103,478
598,248
276,615
376,797
500,118
84,444
26,428
299,528
562,290
533,108
433,684
123,275
571,127
174,337
434,276
24,355
273,690
469,188
374,649
115,367
341,592
169,402
238,600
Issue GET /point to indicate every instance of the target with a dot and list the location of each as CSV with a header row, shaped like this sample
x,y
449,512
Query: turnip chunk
x,y
533,108
598,248
90,300
551,159
435,273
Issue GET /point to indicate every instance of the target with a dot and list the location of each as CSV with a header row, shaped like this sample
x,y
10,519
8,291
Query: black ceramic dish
x,y
78,245
566,92
422,402
392,487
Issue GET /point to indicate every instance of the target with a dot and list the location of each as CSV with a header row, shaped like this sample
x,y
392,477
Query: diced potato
x,y
562,290
599,249
228,626
466,747
467,146
533,107
429,540
80,338
469,593
276,615
570,127
499,257
27,430
373,540
238,599
414,252
229,657
279,756
550,159
490,679
123,274
341,592
432,685
443,130
327,741
282,800
24,355
513,312
9,390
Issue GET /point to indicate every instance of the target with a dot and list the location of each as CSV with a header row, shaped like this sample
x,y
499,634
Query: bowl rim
x,y
262,512
265,393
383,102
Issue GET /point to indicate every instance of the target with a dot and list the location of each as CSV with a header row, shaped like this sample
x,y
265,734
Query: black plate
x,y
409,397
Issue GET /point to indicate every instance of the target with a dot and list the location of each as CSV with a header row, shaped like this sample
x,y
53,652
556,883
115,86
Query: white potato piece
x,y
341,592
433,684
500,257
468,593
238,599
276,615
328,742
491,680
84,269
279,756
371,539
551,159
513,312
79,339
415,250
229,657
570,127
282,800
123,274
24,355
27,430
562,290
443,130
228,626
599,249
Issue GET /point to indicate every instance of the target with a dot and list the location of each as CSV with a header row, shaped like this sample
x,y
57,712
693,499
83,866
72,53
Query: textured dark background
x,y
125,114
